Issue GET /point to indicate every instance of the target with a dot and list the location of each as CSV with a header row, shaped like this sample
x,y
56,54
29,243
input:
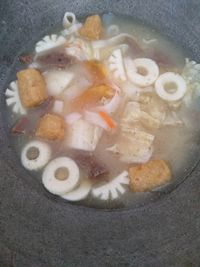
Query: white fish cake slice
x,y
53,184
79,193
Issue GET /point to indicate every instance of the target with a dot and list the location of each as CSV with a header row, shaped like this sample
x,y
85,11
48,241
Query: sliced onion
x,y
149,41
113,104
72,117
77,88
94,118
112,41
74,28
58,106
114,86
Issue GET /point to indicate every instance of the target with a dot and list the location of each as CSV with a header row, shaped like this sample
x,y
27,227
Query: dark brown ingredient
x,y
91,165
21,126
26,59
56,59
46,106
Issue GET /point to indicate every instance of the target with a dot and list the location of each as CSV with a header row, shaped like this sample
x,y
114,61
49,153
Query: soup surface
x,y
104,111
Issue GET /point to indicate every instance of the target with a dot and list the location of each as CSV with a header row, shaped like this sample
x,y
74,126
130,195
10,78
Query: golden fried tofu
x,y
51,127
92,28
145,177
32,88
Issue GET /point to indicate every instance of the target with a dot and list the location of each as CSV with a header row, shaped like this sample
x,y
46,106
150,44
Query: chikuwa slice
x,y
170,86
142,71
35,155
61,175
80,192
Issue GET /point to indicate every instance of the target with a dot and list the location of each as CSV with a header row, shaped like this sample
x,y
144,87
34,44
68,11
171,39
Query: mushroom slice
x,y
13,99
112,189
61,175
80,192
35,155
49,42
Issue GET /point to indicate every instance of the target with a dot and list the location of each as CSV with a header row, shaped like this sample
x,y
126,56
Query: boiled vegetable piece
x,y
92,28
57,81
83,135
32,88
51,127
145,177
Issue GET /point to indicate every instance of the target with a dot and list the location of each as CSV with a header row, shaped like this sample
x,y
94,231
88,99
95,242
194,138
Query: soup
x,y
105,110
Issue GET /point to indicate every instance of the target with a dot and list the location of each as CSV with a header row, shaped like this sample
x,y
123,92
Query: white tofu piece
x,y
83,135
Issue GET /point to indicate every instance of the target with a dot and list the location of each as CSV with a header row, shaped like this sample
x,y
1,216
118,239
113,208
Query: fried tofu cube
x,y
32,88
92,28
51,127
145,177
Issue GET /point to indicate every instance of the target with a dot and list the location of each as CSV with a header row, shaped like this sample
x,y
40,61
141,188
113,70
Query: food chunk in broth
x,y
101,106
